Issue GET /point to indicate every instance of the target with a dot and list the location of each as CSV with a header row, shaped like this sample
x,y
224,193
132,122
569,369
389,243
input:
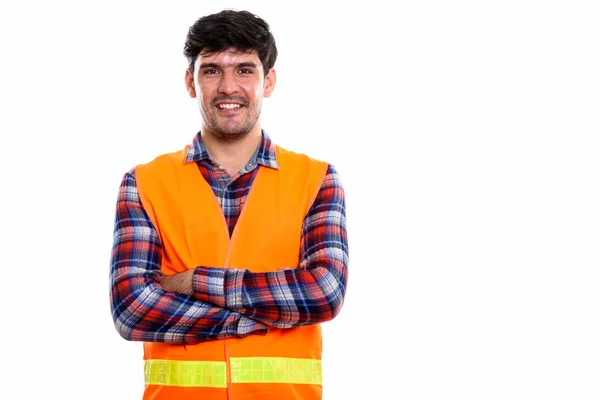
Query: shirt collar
x,y
265,154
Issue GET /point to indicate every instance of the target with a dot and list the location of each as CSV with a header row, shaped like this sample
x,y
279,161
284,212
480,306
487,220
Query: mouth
x,y
228,106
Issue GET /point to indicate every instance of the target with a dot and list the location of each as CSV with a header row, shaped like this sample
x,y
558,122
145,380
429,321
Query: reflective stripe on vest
x,y
185,373
243,370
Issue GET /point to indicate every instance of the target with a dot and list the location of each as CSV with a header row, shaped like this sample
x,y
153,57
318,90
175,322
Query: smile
x,y
228,106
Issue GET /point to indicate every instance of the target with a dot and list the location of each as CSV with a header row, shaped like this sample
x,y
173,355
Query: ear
x,y
189,83
269,84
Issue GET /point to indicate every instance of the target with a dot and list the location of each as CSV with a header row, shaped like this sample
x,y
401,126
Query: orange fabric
x,y
154,392
193,232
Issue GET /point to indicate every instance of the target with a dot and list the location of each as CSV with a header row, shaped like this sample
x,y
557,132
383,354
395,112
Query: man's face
x,y
230,86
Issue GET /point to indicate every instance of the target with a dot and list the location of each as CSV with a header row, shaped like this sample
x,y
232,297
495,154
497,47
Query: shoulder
x,y
173,158
331,177
288,157
158,171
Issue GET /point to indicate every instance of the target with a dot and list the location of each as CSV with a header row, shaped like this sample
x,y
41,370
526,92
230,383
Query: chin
x,y
231,135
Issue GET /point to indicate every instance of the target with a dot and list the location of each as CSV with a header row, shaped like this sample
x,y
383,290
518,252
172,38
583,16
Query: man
x,y
229,254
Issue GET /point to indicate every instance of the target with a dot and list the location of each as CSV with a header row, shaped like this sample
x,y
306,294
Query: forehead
x,y
228,58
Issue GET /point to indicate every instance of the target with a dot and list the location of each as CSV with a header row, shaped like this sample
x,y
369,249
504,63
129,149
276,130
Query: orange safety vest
x,y
284,363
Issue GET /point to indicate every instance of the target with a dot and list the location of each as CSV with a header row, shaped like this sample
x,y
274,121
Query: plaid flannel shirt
x,y
310,294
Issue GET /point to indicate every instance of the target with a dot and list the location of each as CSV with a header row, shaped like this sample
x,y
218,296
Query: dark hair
x,y
230,28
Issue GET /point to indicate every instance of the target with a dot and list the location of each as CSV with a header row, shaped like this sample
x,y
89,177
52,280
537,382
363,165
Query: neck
x,y
232,155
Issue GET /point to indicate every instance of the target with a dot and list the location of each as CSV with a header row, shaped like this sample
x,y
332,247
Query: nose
x,y
228,83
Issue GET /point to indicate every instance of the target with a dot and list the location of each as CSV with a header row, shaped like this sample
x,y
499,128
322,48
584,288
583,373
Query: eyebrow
x,y
245,64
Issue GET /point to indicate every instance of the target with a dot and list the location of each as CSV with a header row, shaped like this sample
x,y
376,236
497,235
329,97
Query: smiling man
x,y
229,254
230,86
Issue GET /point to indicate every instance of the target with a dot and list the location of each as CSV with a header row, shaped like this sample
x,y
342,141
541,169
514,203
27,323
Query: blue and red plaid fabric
x,y
227,302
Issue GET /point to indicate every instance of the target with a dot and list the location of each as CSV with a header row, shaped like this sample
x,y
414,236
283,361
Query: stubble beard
x,y
229,132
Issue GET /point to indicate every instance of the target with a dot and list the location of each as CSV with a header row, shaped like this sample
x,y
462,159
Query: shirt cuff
x,y
209,285
247,326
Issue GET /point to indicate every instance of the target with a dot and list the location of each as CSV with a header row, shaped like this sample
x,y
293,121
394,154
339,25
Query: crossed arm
x,y
142,309
213,303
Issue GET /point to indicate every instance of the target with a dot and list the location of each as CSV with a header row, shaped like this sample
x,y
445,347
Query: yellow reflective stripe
x,y
275,370
185,373
243,370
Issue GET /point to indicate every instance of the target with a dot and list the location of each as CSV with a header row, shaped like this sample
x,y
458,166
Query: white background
x,y
466,136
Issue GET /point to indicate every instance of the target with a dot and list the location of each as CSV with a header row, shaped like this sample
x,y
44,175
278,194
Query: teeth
x,y
228,106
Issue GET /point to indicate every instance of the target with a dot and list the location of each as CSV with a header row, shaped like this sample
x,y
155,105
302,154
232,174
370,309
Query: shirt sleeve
x,y
141,309
310,294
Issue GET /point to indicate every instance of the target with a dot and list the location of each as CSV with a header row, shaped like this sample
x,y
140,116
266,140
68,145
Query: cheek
x,y
204,92
204,97
256,91
253,89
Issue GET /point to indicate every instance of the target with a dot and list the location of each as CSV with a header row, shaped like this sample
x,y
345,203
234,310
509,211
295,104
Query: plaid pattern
x,y
237,302
231,191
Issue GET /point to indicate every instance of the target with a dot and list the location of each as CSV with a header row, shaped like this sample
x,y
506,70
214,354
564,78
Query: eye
x,y
210,71
245,71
